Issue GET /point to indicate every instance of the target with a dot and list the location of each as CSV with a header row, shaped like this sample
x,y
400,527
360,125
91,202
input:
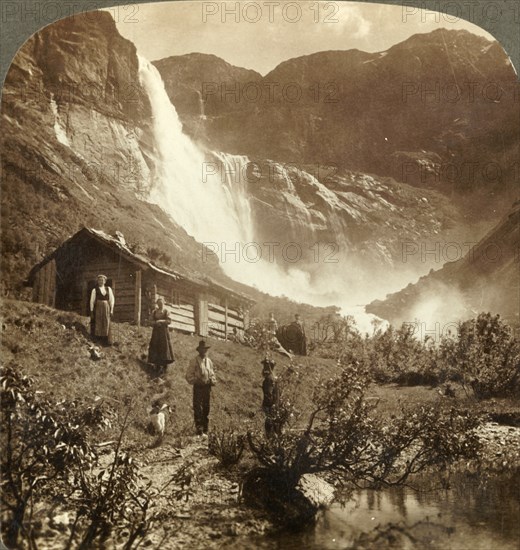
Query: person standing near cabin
x,y
160,350
201,375
272,324
274,342
102,303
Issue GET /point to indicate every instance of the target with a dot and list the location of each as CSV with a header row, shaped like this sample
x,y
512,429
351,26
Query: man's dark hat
x,y
202,345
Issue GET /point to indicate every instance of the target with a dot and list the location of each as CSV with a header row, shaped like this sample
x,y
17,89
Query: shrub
x,y
47,451
41,443
342,436
226,445
113,498
485,355
258,335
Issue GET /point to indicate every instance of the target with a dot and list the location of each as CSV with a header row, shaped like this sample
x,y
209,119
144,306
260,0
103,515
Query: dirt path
x,y
201,500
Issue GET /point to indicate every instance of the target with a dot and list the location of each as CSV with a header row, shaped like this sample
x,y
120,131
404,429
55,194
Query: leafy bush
x,y
226,445
331,334
485,355
41,443
116,497
395,355
341,435
46,451
259,336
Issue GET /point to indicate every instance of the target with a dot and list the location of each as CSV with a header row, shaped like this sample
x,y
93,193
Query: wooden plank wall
x,y
179,302
201,315
191,310
44,289
182,316
217,320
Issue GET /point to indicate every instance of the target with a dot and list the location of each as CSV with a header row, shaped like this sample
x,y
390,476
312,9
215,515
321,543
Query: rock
x,y
292,507
316,490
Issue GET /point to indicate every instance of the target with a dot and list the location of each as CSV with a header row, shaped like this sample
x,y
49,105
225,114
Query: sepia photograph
x,y
260,276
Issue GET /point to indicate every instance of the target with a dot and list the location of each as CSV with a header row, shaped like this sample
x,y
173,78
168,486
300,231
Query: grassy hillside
x,y
52,346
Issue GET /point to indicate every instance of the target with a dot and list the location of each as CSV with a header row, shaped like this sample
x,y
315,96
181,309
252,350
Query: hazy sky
x,y
262,34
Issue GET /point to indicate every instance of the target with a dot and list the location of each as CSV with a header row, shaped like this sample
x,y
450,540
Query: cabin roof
x,y
119,246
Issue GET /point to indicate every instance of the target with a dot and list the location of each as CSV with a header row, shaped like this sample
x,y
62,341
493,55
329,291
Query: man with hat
x,y
201,376
271,398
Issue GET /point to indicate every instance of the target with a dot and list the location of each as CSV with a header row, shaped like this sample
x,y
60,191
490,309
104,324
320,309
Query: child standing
x,y
271,398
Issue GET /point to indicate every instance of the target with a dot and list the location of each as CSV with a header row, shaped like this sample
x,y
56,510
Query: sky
x,y
261,34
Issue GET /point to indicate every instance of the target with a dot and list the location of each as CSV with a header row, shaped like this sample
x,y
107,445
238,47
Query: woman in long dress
x,y
101,310
160,350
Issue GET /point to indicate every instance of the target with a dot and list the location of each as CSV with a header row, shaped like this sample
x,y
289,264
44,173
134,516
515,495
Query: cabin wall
x,y
179,299
191,309
77,270
223,317
44,287
66,281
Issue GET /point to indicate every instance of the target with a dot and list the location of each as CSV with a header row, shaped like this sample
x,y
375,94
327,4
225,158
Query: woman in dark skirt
x,y
160,351
101,311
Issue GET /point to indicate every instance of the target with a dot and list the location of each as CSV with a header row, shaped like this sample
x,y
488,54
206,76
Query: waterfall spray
x,y
206,193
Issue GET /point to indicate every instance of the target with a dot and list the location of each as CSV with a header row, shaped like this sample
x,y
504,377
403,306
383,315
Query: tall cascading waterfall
x,y
204,193
207,195
190,186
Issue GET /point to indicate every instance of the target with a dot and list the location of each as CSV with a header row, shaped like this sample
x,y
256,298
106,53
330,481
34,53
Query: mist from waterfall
x,y
206,194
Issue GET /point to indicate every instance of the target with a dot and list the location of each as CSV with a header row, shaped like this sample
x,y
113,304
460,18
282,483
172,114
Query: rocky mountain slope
x,y
74,146
196,82
435,110
78,146
487,278
365,217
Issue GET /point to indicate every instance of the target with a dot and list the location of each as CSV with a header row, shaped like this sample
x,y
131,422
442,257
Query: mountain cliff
x,y
437,110
75,149
487,278
79,145
195,83
82,146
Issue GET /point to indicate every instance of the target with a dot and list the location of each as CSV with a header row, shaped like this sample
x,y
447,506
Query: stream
x,y
471,515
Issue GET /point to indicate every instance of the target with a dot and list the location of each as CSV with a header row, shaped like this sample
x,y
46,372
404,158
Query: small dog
x,y
158,418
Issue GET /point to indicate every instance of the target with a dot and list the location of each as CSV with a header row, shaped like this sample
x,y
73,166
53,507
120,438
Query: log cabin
x,y
197,304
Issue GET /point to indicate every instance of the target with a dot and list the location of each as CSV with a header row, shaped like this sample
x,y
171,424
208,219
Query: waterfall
x,y
208,198
207,194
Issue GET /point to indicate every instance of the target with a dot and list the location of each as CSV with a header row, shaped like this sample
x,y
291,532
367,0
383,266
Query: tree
x,y
342,435
485,355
